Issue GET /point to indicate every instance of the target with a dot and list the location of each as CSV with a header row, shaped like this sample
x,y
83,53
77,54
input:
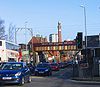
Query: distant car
x,y
15,72
54,66
43,69
61,65
70,63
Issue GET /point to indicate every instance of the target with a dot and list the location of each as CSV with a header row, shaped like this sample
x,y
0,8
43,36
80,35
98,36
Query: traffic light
x,y
79,40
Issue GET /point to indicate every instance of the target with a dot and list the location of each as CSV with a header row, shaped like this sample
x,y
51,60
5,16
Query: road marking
x,y
36,77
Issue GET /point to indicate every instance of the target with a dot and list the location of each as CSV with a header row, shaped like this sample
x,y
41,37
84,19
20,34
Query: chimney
x,y
59,32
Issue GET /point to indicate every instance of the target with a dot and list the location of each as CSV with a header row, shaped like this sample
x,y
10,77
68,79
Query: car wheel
x,y
22,81
50,73
29,79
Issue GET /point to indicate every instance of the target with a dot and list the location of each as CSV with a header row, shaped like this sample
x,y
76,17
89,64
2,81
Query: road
x,y
60,78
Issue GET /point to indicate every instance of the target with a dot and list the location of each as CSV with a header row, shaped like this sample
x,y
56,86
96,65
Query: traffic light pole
x,y
75,66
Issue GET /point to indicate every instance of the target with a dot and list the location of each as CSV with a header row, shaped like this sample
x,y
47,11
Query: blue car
x,y
14,72
43,69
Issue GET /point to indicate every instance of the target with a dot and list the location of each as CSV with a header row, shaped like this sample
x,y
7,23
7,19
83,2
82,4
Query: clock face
x,y
59,29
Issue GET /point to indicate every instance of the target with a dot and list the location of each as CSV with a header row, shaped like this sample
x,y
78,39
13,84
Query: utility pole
x,y
24,28
25,34
16,30
31,31
11,31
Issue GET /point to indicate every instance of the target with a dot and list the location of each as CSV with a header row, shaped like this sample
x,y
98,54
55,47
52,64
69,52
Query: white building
x,y
53,38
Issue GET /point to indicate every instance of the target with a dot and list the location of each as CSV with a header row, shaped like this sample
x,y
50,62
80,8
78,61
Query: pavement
x,y
91,80
84,77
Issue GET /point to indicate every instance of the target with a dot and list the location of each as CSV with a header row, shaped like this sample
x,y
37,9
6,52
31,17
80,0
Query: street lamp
x,y
85,30
85,25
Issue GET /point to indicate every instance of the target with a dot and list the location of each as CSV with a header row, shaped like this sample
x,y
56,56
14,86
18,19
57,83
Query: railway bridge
x,y
53,51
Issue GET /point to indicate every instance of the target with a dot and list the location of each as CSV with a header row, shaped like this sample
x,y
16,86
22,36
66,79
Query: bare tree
x,y
2,29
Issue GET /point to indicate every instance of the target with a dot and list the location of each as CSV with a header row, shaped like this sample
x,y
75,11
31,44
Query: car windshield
x,y
42,65
54,64
11,66
1,64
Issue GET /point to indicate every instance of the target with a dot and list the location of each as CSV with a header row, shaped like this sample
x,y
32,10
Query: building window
x,y
0,43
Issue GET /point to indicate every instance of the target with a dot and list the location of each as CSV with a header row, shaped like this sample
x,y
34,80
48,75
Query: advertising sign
x,y
93,41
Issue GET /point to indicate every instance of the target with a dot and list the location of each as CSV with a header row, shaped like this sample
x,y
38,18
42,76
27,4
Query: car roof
x,y
15,62
44,64
24,63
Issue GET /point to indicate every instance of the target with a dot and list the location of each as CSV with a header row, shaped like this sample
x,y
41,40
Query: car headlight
x,y
18,74
36,70
46,70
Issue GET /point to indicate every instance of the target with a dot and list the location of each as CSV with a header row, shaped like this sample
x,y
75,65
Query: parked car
x,y
15,72
61,65
70,63
43,69
54,66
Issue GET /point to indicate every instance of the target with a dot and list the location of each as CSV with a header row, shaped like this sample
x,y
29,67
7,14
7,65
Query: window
x,y
0,43
11,66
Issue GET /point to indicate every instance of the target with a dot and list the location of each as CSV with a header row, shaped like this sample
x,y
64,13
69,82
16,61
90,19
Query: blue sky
x,y
43,15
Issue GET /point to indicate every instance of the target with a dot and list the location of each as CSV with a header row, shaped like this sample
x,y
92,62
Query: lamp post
x,y
85,33
85,25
